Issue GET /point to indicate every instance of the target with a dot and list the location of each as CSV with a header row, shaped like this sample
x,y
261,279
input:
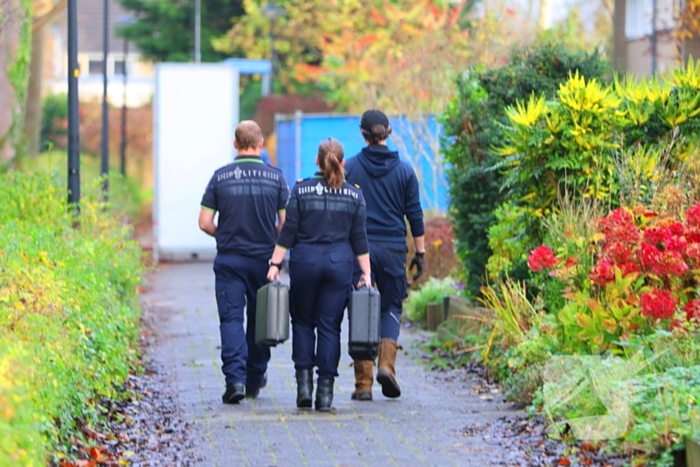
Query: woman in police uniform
x,y
325,228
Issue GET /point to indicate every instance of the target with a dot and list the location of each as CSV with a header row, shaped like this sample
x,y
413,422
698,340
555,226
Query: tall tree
x,y
544,20
45,11
340,46
165,28
689,20
15,50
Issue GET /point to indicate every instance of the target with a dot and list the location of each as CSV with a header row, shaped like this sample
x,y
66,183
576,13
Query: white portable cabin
x,y
195,112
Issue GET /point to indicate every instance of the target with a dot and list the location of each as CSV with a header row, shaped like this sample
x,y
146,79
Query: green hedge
x,y
69,315
475,123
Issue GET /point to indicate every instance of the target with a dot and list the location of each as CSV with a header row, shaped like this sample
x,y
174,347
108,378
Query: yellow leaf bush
x,y
589,142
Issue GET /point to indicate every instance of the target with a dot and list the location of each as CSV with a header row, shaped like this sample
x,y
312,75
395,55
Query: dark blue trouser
x,y
238,279
320,278
388,262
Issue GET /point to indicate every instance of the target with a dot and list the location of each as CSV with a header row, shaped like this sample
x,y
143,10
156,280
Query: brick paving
x,y
424,427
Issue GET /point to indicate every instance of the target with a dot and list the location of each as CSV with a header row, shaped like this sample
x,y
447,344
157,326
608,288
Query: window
x,y
119,67
95,67
639,17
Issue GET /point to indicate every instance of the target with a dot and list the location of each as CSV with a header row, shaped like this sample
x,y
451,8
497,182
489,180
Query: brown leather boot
x,y
364,375
386,375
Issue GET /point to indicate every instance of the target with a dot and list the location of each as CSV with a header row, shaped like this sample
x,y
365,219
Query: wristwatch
x,y
270,263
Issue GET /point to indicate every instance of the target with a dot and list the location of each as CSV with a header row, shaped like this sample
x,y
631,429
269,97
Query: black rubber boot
x,y
324,395
305,388
234,393
252,392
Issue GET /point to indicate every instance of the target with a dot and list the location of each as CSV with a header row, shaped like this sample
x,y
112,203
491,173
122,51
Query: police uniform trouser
x,y
388,261
320,276
238,279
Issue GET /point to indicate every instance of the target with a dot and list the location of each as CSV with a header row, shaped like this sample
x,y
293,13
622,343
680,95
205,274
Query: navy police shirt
x,y
247,194
318,214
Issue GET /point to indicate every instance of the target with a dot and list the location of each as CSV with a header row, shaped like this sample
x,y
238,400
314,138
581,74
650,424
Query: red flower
x,y
670,263
541,257
693,254
670,238
676,243
692,310
648,256
658,304
603,272
692,235
677,229
692,216
618,252
657,236
628,268
619,226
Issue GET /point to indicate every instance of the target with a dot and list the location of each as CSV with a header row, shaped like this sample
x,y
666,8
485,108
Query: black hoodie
x,y
390,188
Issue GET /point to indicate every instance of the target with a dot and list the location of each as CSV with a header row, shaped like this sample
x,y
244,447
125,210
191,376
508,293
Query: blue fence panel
x,y
286,144
416,142
315,129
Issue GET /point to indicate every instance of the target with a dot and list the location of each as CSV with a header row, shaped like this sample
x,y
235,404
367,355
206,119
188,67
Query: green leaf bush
x,y
433,290
69,315
475,123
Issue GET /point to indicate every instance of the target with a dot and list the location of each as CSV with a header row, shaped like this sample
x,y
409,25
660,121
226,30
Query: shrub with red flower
x,y
541,258
662,252
658,304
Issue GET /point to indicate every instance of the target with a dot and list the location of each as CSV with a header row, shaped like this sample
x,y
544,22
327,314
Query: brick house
x,y
139,74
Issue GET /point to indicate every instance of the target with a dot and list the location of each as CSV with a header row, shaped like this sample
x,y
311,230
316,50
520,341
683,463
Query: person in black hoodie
x,y
390,188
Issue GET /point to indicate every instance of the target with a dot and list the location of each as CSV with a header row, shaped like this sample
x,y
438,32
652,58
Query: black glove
x,y
419,262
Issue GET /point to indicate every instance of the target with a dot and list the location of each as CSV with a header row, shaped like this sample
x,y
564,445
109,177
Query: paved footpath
x,y
424,427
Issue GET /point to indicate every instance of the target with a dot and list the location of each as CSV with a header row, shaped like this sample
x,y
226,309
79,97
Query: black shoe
x,y
234,393
305,387
252,392
324,395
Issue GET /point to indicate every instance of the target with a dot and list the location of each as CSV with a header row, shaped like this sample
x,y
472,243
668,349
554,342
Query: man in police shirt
x,y
249,196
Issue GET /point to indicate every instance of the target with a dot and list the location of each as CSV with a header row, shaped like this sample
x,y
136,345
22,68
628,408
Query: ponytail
x,y
330,156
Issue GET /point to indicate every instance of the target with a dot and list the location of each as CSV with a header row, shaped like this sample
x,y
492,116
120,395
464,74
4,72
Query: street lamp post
x,y
73,117
197,31
104,166
124,21
272,12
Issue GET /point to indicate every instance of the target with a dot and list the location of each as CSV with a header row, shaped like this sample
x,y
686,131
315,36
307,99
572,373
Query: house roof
x,y
90,30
